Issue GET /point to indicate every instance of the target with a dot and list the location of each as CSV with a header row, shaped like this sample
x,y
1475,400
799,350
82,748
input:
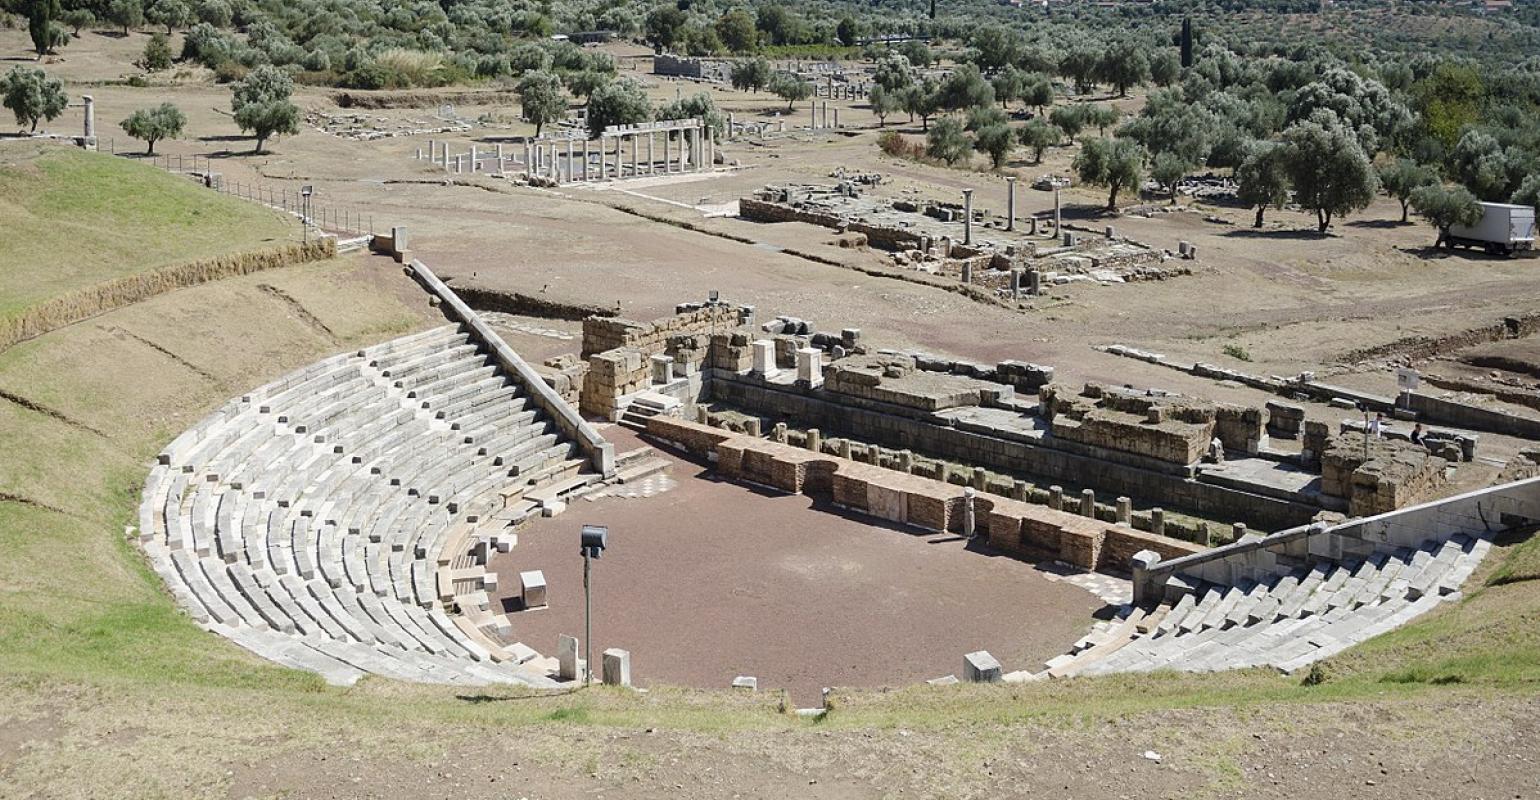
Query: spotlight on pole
x,y
593,540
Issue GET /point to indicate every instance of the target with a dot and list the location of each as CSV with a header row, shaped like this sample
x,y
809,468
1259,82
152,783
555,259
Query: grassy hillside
x,y
73,219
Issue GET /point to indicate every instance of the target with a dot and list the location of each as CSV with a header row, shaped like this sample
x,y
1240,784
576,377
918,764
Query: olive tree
x,y
540,99
1444,207
946,141
619,102
1038,135
1117,164
150,125
262,106
33,96
1330,173
1402,177
1262,178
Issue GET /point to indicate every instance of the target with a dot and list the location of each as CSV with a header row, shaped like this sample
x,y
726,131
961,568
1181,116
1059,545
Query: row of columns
x,y
563,162
820,124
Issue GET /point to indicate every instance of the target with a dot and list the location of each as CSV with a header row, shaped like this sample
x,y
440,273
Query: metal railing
x,y
321,217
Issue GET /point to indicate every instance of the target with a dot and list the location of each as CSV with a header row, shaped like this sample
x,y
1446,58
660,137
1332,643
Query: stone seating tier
x,y
312,520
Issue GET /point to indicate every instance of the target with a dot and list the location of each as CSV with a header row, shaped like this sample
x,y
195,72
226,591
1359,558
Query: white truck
x,y
1502,230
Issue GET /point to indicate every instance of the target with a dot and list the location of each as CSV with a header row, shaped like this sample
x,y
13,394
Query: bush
x,y
157,53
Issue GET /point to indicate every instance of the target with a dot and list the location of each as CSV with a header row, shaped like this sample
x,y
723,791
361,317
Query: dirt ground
x,y
710,580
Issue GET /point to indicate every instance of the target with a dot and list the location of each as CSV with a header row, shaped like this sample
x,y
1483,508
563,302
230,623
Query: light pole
x,y
304,214
594,539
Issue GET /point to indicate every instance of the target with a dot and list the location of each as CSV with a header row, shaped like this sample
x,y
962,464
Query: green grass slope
x,y
73,219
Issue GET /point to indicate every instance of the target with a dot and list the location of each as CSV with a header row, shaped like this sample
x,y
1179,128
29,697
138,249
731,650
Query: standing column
x,y
836,117
652,163
90,117
967,216
446,156
585,159
570,172
619,165
635,166
730,121
667,167
1010,203
711,150
473,158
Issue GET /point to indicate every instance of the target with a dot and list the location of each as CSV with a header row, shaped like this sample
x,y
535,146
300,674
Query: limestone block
x,y
532,588
748,682
764,358
617,667
981,667
810,367
566,658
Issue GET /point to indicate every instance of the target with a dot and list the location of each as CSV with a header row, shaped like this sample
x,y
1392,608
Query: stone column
x,y
1015,284
814,440
967,217
1058,218
731,120
585,159
90,117
1125,510
529,160
1088,503
617,667
566,658
1010,203
446,156
667,167
662,369
619,164
473,158
499,152
635,167
967,272
1056,498
1158,521
652,162
836,117
969,521
1034,282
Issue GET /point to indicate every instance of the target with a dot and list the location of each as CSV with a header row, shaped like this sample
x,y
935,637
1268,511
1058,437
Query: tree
x,y
664,24
894,73
737,32
946,141
1102,117
540,99
157,53
995,46
1444,207
1330,173
1165,68
1262,178
917,52
1449,99
1528,193
1364,107
126,14
1168,170
619,102
790,88
1038,135
215,12
150,125
1402,177
261,104
1009,84
41,24
1186,43
1080,65
996,141
33,96
848,32
79,19
583,83
1114,163
1123,65
1070,119
751,75
171,13
1037,92
965,88
922,100
884,102
696,106
1484,166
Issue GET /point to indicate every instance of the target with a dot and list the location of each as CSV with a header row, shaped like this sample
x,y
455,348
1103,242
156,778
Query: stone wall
x,y
1019,528
613,374
1112,471
1395,474
1164,428
601,333
885,237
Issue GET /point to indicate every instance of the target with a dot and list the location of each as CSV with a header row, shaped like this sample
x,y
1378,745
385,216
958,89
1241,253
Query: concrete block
x,y
981,667
617,667
746,682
